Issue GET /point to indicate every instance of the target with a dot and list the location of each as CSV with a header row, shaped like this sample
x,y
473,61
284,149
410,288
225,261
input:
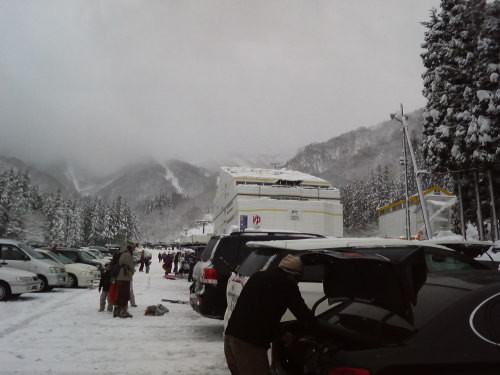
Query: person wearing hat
x,y
256,317
124,279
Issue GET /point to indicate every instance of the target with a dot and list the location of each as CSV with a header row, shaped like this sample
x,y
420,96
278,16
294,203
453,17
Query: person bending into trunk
x,y
256,317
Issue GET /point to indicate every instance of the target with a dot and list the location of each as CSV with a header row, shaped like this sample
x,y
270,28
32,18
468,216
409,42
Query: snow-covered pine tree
x,y
16,199
108,232
54,210
74,223
449,59
483,135
98,217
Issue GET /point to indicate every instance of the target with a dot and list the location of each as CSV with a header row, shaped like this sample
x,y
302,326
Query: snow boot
x,y
116,311
124,313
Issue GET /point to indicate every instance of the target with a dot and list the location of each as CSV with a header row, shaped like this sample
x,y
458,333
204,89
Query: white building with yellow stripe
x,y
439,203
276,199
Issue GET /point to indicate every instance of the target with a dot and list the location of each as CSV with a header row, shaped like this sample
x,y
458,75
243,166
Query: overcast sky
x,y
108,81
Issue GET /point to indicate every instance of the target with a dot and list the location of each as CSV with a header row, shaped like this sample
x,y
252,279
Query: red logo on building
x,y
256,219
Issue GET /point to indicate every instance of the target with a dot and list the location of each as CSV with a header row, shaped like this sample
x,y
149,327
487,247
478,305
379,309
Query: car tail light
x,y
349,371
209,276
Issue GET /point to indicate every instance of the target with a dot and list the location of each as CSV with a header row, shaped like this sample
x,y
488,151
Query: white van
x,y
15,282
18,255
79,274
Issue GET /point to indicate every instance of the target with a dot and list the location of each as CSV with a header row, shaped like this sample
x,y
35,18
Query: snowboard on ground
x,y
175,301
171,277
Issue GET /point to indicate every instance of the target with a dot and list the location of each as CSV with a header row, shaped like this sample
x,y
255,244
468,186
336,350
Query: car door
x,y
14,257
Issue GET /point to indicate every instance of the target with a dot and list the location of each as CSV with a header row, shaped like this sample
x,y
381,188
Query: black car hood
x,y
389,279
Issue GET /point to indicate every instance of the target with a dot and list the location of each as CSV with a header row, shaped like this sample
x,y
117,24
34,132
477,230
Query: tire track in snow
x,y
51,307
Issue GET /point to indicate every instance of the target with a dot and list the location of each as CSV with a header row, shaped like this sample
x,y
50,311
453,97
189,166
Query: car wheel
x,y
45,285
72,281
4,291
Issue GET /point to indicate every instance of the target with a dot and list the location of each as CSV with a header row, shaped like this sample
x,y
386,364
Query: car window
x,y
228,254
96,253
86,256
71,255
30,251
255,261
443,262
10,252
46,256
207,253
60,258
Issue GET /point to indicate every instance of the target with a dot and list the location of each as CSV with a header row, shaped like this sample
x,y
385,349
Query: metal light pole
x,y
423,205
407,200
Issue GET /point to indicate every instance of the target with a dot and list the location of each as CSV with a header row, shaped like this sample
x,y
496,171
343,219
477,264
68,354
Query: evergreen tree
x,y
483,135
451,45
16,199
54,210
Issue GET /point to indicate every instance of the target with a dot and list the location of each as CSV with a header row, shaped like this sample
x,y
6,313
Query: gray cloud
x,y
106,82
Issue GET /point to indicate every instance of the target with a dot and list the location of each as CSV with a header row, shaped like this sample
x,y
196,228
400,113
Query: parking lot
x,y
62,332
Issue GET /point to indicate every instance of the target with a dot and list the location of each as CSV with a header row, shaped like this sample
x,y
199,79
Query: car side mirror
x,y
25,257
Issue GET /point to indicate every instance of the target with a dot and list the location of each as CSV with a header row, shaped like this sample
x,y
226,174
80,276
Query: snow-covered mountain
x,y
190,189
354,154
45,181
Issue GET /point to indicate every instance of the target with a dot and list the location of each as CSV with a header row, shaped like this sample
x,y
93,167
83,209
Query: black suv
x,y
221,256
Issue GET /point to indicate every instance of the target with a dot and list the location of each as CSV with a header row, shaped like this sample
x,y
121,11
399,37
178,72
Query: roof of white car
x,y
334,242
8,241
442,241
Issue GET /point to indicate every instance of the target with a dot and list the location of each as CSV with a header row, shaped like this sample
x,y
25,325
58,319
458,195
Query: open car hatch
x,y
390,278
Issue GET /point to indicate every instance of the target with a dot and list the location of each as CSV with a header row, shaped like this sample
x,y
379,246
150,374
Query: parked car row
x,y
24,269
385,306
15,282
79,274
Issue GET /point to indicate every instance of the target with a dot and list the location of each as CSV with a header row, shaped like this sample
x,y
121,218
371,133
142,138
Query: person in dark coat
x,y
141,261
124,278
192,260
104,284
256,317
176,262
167,265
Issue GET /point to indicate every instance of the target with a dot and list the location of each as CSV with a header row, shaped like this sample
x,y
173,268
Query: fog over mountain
x,y
187,190
102,84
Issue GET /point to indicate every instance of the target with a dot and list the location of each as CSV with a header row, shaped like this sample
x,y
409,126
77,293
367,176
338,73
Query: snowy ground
x,y
61,332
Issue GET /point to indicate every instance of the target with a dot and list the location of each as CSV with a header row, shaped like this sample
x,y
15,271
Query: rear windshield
x,y
205,256
255,262
270,258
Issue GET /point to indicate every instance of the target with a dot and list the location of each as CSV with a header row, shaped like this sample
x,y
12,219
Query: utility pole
x,y
494,221
479,212
423,205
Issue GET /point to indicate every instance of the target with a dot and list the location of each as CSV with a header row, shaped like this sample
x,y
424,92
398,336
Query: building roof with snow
x,y
274,176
